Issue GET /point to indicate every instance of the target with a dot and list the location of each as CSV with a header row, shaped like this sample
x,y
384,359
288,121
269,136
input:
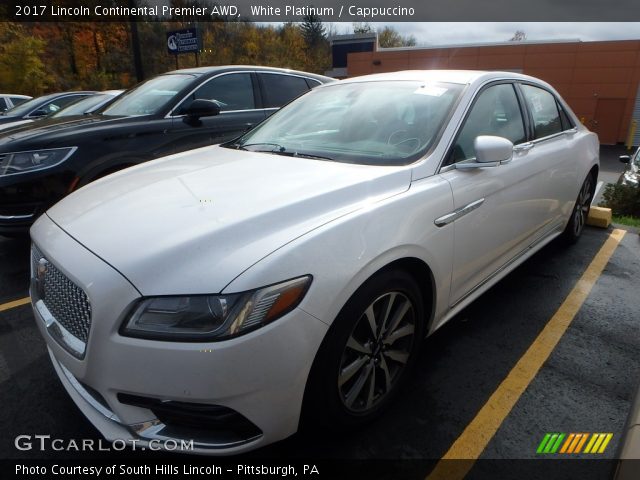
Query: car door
x,y
240,109
497,207
279,89
552,148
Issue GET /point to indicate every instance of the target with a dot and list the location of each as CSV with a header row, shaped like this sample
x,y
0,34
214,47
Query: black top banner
x,y
325,10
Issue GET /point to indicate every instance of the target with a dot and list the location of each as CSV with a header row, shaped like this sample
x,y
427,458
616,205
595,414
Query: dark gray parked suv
x,y
43,161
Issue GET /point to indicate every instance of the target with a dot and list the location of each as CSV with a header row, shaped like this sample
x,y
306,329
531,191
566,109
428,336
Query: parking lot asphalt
x,y
586,385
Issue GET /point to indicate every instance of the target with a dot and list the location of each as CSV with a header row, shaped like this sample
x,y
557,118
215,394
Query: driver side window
x,y
496,111
232,92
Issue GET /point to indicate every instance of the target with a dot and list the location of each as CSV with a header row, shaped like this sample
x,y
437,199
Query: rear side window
x,y
57,104
233,92
17,100
281,89
544,110
567,124
496,111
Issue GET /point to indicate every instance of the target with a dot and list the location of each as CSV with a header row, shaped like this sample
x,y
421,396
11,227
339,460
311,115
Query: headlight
x,y
213,317
19,162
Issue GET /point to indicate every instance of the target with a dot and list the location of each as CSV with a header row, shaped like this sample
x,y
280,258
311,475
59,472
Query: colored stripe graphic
x,y
568,442
543,443
572,443
582,442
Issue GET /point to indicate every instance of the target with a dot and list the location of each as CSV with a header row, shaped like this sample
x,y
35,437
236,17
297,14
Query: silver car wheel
x,y
583,204
376,352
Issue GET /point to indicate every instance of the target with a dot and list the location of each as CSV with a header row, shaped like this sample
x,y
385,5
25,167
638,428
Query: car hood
x,y
192,222
50,130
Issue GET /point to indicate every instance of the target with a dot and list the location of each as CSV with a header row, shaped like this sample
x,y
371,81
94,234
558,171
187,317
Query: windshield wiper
x,y
277,147
310,155
280,150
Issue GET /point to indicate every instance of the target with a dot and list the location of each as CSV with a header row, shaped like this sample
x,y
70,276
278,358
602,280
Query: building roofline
x,y
485,44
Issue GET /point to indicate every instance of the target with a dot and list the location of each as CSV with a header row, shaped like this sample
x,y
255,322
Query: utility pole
x,y
135,45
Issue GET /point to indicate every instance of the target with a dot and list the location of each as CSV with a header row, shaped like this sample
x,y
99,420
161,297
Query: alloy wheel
x,y
583,204
377,351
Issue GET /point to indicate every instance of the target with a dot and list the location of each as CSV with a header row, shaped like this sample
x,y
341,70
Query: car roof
x,y
464,77
221,68
15,95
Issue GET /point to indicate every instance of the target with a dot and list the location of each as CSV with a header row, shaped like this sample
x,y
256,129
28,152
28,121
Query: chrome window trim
x,y
170,114
29,115
177,106
555,135
289,75
463,118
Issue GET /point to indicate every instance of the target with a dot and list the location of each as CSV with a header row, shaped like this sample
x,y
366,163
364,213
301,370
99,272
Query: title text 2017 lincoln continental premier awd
x,y
232,293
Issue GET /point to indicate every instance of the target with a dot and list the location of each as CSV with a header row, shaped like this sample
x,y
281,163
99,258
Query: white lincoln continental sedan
x,y
231,294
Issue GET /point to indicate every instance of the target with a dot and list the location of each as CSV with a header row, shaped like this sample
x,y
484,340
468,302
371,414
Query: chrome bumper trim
x,y
17,217
72,344
86,395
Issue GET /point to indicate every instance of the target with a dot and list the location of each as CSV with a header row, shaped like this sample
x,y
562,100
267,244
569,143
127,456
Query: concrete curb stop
x,y
599,217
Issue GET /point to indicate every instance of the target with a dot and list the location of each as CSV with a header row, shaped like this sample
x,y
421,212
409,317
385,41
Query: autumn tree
x,y
389,38
313,30
22,69
519,36
362,27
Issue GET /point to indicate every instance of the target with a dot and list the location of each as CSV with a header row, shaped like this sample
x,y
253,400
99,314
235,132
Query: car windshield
x,y
82,106
28,106
149,97
371,123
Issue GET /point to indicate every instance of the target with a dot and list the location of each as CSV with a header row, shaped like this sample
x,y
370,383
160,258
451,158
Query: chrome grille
x,y
67,303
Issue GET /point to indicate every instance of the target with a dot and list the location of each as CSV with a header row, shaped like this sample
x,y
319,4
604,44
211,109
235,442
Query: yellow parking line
x,y
475,437
14,304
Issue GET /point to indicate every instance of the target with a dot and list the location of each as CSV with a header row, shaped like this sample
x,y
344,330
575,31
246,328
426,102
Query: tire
x,y
360,368
580,212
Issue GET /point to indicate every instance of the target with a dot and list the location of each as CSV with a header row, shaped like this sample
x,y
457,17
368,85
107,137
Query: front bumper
x,y
25,197
260,376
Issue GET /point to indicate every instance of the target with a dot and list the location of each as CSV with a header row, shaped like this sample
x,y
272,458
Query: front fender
x,y
343,254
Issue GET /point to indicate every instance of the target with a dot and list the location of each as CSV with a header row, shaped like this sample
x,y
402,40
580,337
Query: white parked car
x,y
227,293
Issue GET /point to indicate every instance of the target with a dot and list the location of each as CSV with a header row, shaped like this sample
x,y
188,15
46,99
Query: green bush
x,y
622,200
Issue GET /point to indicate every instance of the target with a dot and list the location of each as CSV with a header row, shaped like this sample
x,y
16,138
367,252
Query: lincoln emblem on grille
x,y
41,271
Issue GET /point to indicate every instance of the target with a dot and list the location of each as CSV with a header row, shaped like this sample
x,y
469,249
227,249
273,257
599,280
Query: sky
x,y
479,32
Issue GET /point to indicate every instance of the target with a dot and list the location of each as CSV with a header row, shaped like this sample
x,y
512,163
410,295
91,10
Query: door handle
x,y
524,147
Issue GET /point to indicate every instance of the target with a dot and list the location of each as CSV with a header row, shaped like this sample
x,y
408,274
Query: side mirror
x,y
39,113
625,158
202,108
491,149
490,152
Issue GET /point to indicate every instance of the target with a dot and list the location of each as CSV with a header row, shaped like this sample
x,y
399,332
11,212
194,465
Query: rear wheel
x,y
367,354
580,211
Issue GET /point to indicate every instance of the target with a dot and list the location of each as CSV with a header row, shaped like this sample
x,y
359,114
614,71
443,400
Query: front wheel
x,y
580,212
367,354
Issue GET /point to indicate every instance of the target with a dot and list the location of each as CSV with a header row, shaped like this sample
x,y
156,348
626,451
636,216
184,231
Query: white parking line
x,y
598,187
